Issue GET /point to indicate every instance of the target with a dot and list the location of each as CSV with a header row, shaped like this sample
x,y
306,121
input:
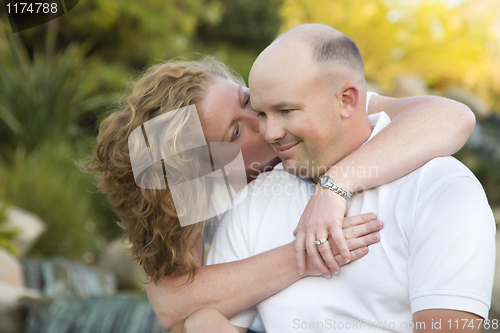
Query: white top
x,y
437,249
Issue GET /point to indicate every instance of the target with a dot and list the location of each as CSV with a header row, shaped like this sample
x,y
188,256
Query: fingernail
x,y
300,273
336,273
327,275
347,261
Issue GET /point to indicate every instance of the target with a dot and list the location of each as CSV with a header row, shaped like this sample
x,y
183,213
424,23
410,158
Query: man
x,y
433,268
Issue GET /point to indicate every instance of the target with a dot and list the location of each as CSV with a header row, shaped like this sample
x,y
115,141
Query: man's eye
x,y
236,133
261,114
286,111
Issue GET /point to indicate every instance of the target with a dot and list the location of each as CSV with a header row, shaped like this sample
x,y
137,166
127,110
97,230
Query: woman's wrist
x,y
342,177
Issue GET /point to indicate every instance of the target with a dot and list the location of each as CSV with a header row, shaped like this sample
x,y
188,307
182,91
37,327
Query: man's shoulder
x,y
441,169
437,175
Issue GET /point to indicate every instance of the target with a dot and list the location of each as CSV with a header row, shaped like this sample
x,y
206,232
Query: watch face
x,y
324,180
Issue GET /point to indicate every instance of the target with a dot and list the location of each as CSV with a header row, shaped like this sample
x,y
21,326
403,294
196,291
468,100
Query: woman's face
x,y
226,116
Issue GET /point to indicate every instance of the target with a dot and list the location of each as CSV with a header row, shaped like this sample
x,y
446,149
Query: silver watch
x,y
326,182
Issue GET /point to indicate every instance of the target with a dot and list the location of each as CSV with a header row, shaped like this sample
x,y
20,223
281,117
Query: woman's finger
x,y
314,256
326,253
339,239
300,251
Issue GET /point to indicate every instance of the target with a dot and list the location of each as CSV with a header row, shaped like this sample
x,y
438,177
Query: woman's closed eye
x,y
246,99
236,133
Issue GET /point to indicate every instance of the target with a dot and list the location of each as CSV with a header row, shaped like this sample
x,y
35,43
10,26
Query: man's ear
x,y
349,99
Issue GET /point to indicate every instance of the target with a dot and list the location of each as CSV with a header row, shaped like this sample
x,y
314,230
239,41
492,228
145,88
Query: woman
x,y
182,291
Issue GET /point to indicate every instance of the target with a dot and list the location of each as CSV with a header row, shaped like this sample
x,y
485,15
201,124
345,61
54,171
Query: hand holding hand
x,y
358,232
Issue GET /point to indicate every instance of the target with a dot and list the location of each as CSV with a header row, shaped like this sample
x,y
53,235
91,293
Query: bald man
x,y
433,268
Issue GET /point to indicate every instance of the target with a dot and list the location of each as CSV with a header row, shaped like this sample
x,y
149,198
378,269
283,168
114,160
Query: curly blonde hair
x,y
149,217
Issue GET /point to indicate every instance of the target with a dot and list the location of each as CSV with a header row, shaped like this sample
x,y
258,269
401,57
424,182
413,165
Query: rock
x,y
12,306
474,102
29,225
11,272
116,258
409,85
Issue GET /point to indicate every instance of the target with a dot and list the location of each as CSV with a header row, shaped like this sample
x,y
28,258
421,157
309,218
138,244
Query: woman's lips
x,y
285,150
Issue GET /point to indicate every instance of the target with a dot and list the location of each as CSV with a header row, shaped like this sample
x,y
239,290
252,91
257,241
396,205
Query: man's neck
x,y
361,134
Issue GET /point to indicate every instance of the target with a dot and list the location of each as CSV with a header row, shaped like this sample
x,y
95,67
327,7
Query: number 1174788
x,y
33,8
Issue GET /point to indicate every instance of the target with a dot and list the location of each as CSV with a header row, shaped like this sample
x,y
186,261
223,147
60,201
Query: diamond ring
x,y
320,241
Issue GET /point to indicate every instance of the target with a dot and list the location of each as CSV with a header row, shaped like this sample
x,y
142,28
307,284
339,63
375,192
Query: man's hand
x,y
322,217
359,232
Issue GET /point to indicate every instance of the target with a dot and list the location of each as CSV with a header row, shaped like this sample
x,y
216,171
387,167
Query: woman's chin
x,y
253,171
275,161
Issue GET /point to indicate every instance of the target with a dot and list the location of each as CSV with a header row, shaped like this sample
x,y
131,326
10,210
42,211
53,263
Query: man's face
x,y
298,111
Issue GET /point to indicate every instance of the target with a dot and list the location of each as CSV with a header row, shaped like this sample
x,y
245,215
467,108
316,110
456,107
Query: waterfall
x,y
117,314
83,299
58,277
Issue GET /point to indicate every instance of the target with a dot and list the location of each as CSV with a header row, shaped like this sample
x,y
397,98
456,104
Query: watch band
x,y
326,182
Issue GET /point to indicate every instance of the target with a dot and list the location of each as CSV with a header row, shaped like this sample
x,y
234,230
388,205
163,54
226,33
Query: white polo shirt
x,y
437,250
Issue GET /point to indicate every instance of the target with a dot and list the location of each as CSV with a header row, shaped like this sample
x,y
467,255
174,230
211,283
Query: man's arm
x,y
451,247
446,321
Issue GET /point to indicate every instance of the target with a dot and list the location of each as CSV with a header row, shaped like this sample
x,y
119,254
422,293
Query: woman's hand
x,y
359,232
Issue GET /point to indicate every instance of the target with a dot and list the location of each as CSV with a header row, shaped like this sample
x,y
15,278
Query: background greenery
x,y
57,79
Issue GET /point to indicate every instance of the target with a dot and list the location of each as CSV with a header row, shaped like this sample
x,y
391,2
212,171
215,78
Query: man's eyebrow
x,y
281,105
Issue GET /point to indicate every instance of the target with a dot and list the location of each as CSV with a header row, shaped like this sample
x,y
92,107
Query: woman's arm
x,y
225,287
422,128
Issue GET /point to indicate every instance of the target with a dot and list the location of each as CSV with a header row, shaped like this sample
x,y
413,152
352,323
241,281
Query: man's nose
x,y
272,129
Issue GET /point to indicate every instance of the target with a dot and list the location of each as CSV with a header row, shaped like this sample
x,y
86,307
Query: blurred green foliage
x,y
7,234
42,98
249,24
131,32
44,101
245,28
486,172
46,182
